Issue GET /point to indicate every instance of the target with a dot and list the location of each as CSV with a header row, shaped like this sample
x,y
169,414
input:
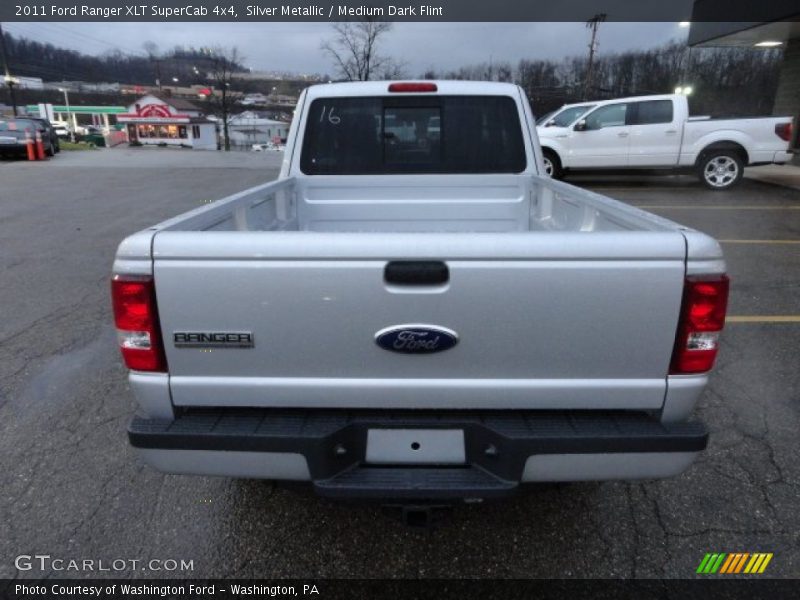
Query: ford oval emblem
x,y
416,339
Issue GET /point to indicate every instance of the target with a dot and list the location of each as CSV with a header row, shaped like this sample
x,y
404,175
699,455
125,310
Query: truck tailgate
x,y
544,320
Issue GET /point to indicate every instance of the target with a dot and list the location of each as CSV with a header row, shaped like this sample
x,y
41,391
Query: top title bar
x,y
747,11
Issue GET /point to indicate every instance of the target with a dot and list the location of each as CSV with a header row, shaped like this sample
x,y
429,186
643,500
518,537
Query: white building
x,y
24,83
250,128
83,86
251,99
155,120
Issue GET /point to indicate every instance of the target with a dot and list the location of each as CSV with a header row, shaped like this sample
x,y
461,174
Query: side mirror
x,y
550,123
580,125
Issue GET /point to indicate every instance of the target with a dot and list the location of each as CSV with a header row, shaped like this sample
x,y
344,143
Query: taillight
x,y
136,318
705,300
784,131
412,87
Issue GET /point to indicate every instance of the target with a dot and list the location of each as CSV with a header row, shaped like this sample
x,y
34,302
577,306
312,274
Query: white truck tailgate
x,y
545,320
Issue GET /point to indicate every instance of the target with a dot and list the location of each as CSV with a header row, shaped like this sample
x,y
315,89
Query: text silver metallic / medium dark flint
x,y
416,339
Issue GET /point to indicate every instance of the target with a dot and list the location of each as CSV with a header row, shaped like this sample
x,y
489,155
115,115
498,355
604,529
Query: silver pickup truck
x,y
413,311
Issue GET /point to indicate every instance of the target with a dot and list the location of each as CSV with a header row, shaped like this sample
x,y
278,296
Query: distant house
x,y
251,99
284,99
169,121
83,86
26,83
251,127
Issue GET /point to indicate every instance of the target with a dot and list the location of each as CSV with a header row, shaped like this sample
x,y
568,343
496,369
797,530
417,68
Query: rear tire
x,y
720,169
552,164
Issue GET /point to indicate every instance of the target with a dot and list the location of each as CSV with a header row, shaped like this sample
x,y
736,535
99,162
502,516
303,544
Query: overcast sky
x,y
295,46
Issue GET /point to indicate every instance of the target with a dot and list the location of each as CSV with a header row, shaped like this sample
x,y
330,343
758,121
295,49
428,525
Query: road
x,y
72,488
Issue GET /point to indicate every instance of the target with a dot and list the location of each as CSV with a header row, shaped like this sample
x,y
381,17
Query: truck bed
x,y
574,275
438,204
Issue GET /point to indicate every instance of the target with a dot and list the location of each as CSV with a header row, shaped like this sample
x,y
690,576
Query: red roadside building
x,y
162,121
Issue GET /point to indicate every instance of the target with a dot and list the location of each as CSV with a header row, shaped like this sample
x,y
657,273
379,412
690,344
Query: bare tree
x,y
223,63
151,48
504,72
393,69
152,53
354,49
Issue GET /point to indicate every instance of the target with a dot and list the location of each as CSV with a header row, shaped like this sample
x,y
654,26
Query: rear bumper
x,y
13,149
782,157
768,157
501,449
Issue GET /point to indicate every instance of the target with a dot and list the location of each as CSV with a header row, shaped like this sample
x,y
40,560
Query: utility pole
x,y
69,115
592,24
10,82
152,53
158,72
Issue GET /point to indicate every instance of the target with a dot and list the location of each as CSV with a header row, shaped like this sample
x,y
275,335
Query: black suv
x,y
51,132
14,134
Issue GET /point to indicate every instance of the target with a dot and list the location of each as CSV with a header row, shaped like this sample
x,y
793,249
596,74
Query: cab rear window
x,y
420,134
17,125
653,112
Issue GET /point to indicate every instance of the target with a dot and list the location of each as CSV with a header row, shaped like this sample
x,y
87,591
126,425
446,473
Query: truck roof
x,y
631,99
381,88
615,100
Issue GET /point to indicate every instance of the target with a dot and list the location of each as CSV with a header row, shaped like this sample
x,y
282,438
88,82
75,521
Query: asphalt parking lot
x,y
72,488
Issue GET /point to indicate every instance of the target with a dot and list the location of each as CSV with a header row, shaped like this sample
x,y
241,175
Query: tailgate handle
x,y
422,272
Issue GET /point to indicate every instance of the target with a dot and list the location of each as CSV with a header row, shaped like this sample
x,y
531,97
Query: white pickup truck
x,y
414,312
656,132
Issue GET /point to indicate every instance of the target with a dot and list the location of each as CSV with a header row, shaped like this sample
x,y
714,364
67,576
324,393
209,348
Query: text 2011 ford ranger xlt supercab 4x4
x,y
413,311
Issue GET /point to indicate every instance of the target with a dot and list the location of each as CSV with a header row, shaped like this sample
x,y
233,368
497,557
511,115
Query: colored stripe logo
x,y
734,562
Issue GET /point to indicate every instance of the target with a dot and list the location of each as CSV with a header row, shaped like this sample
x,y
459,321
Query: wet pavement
x,y
72,488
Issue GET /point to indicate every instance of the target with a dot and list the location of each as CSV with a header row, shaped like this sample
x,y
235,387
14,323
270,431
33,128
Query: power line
x,y
52,29
77,34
